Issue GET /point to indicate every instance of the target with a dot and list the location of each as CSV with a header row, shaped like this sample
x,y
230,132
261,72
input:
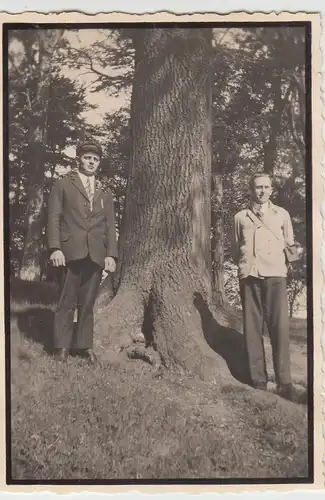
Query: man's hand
x,y
110,265
57,258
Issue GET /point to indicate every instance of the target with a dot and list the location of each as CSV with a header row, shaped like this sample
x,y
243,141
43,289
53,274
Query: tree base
x,y
172,329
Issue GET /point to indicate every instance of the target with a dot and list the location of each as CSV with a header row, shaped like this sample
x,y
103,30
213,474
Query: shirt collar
x,y
84,178
256,207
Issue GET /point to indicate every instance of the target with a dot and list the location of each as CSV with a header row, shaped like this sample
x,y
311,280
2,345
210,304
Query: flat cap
x,y
87,145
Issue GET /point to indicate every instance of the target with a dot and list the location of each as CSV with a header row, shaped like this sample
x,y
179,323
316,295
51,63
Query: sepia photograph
x,y
158,214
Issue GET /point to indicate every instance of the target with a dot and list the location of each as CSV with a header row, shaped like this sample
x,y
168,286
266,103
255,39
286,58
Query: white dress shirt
x,y
84,179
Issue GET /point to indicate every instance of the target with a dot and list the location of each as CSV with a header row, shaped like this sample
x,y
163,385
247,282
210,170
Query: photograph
x,y
158,217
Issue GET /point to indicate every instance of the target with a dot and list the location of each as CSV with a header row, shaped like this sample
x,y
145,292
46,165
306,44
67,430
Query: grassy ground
x,y
119,421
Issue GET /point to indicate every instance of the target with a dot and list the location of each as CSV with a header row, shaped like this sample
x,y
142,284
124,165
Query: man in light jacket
x,y
261,232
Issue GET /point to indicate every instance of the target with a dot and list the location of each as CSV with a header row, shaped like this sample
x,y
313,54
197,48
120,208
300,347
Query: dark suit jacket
x,y
74,228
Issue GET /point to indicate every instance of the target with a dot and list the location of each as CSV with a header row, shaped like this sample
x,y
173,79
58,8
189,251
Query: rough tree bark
x,y
165,254
30,268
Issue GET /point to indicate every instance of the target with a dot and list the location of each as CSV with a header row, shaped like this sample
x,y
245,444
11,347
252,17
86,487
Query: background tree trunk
x,y
296,119
270,146
217,240
165,252
291,306
30,268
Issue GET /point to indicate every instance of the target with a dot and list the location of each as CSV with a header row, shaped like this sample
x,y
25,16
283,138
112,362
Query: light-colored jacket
x,y
260,248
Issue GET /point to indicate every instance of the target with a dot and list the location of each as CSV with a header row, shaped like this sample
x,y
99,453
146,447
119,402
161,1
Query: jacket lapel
x,y
76,181
253,218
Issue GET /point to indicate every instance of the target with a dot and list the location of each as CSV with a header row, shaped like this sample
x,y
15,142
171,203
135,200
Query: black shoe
x,y
261,386
89,355
62,354
285,391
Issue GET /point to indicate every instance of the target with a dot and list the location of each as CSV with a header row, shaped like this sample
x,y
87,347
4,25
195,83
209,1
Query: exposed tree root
x,y
147,354
137,336
118,324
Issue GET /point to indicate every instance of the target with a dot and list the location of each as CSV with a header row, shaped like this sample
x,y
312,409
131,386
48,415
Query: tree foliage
x,y
34,161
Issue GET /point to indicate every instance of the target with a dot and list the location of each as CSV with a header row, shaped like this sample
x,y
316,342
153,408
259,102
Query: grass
x,y
119,421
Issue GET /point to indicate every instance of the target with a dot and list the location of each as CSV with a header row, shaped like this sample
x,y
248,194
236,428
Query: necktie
x,y
260,210
263,210
90,193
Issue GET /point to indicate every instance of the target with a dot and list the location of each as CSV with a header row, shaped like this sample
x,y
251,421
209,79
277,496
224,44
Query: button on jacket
x,y
259,250
76,229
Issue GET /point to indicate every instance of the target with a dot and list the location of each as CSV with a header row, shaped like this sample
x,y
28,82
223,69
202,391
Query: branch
x,y
219,41
84,54
85,87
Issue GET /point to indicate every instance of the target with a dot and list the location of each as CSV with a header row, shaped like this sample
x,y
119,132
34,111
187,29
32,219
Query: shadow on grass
x,y
227,342
33,304
37,325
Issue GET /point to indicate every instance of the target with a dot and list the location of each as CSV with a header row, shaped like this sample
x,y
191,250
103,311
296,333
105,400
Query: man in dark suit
x,y
82,242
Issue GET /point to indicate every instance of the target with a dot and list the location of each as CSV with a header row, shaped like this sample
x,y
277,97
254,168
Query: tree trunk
x,y
291,304
30,268
297,121
217,240
270,147
165,259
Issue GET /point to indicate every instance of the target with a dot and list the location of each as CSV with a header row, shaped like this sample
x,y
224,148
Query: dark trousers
x,y
79,284
266,299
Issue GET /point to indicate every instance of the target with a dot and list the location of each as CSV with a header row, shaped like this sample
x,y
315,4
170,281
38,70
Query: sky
x,y
106,103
